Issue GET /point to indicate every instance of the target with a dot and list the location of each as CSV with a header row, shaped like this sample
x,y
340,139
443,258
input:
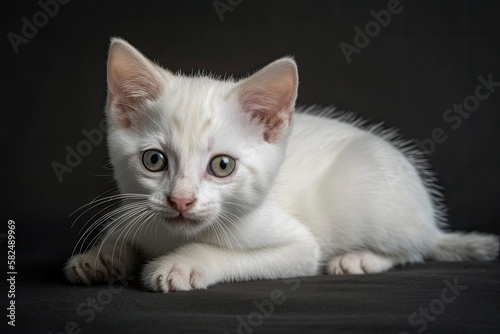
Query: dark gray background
x,y
424,61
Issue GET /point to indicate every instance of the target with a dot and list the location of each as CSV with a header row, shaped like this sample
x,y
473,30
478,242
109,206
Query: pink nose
x,y
181,204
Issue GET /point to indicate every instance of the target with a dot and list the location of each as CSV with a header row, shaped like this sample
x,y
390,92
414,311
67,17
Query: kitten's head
x,y
203,150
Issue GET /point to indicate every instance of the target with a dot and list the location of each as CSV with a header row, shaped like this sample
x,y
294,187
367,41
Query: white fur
x,y
326,193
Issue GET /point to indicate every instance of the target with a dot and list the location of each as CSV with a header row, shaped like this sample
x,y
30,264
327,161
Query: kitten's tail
x,y
459,246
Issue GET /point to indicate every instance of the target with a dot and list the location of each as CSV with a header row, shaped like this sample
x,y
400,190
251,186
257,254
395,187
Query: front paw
x,y
175,273
90,268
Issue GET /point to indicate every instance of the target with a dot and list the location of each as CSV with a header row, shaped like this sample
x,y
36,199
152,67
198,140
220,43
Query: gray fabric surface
x,y
379,303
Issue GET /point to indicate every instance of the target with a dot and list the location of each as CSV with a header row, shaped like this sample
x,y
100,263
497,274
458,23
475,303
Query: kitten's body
x,y
320,192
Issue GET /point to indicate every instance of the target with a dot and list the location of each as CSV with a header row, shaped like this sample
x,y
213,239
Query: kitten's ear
x,y
269,95
132,80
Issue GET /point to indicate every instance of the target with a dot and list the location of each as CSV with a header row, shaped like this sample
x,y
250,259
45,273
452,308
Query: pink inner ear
x,y
265,108
269,97
132,79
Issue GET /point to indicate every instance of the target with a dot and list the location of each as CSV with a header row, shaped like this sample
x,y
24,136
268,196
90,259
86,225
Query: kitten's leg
x,y
107,263
363,262
197,266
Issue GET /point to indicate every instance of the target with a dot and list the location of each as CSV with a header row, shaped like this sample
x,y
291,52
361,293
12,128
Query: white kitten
x,y
217,186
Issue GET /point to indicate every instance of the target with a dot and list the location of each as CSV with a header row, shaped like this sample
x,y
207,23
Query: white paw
x,y
174,273
358,263
89,268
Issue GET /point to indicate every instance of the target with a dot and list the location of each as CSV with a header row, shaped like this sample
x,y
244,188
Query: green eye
x,y
221,166
154,160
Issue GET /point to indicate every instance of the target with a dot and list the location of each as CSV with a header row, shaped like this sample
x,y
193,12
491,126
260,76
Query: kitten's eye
x,y
154,160
221,166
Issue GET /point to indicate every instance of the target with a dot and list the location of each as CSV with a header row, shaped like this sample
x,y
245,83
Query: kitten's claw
x,y
159,281
165,275
90,269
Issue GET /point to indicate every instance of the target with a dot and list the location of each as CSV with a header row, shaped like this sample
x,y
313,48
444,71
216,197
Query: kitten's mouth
x,y
180,219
